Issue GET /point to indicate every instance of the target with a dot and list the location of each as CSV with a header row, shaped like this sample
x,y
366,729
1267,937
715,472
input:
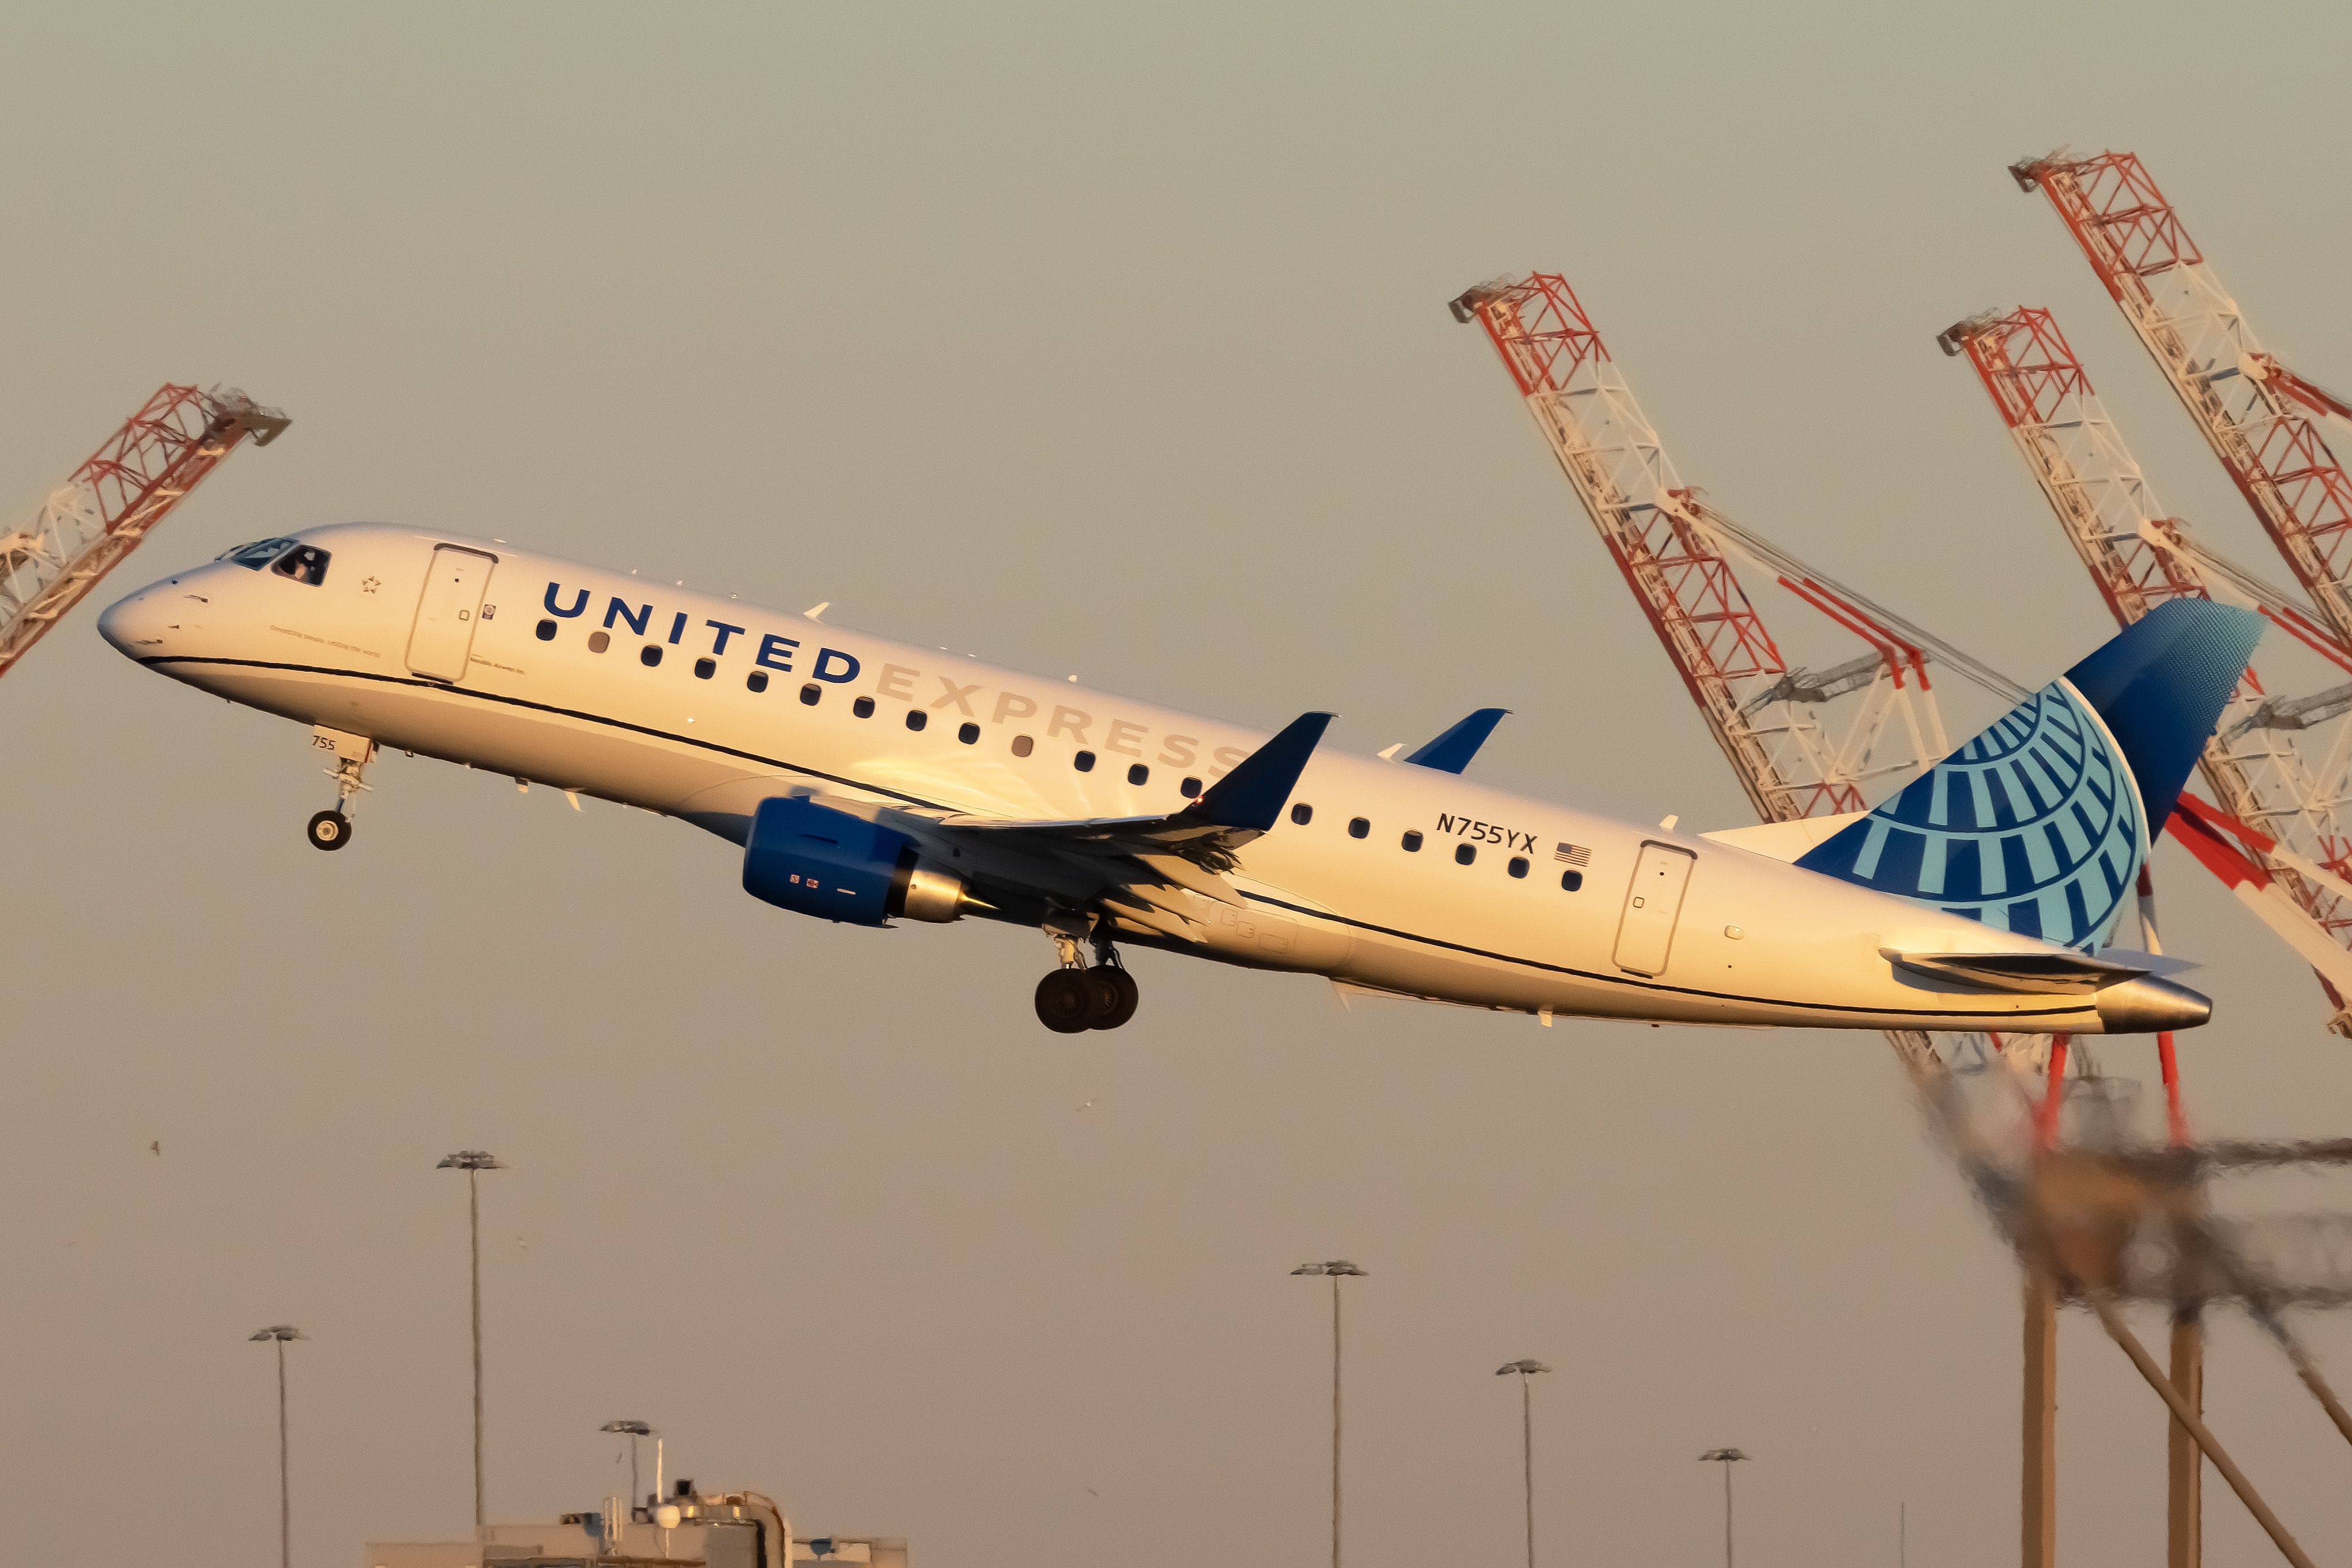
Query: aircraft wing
x,y
1229,814
1141,867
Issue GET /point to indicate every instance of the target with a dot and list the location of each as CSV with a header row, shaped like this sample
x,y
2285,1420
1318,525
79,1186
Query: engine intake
x,y
814,860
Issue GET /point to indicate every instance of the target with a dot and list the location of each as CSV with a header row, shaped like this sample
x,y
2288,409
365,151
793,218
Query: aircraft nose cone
x,y
114,624
132,624
2148,1005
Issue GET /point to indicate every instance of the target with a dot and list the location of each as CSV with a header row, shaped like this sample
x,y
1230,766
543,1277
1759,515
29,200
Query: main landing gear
x,y
1075,998
332,829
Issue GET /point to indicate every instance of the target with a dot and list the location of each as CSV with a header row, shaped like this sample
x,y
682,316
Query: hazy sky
x,y
1097,339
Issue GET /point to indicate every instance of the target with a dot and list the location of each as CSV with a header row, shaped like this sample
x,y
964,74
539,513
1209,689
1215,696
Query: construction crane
x,y
1793,755
2273,764
1676,552
2257,415
112,501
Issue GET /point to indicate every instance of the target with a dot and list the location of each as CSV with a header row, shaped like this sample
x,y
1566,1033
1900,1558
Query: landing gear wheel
x,y
330,830
1115,995
1065,1002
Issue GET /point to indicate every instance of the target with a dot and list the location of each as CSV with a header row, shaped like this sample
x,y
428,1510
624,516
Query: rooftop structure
x,y
707,1530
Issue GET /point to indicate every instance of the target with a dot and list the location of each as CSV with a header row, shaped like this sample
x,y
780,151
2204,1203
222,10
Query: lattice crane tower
x,y
2267,762
112,501
2255,415
1674,550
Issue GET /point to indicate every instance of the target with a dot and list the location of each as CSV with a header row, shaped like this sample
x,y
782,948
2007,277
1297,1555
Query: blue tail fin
x,y
2041,825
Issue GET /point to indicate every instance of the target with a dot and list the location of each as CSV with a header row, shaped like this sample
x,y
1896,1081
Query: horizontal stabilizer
x,y
2036,974
1451,752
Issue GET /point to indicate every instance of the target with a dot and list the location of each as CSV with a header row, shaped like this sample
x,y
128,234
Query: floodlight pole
x,y
1338,1268
280,1333
1727,1457
635,1430
1527,1441
473,1162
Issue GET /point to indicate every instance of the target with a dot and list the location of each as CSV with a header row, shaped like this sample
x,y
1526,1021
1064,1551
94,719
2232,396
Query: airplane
x,y
869,782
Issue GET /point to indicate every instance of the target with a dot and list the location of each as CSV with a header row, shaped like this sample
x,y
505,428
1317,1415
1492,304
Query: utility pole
x,y
473,1162
280,1333
1526,1440
635,1430
1727,1457
1337,1270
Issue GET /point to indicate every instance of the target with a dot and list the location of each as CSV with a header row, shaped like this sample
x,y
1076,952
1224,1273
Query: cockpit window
x,y
254,557
304,563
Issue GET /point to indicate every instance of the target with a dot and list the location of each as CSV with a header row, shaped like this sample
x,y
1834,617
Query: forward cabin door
x,y
1646,932
443,637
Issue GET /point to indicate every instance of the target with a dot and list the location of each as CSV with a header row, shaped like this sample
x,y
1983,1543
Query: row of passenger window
x,y
1463,854
812,693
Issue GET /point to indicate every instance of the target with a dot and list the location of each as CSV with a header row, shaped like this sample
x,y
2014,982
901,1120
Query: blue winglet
x,y
1452,751
1252,796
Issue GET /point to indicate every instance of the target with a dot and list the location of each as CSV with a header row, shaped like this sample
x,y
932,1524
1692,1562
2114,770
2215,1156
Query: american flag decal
x,y
1573,855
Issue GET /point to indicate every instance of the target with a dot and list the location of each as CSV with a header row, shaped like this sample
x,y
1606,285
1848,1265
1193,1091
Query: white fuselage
x,y
1477,914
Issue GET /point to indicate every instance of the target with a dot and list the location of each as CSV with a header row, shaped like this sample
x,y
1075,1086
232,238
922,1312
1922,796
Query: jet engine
x,y
814,860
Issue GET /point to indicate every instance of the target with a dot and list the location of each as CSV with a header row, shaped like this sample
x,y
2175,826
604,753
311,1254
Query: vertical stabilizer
x,y
2041,824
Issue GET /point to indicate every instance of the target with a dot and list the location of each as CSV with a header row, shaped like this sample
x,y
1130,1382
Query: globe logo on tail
x,y
2041,824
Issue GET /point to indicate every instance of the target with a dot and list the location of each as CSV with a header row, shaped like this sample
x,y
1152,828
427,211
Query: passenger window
x,y
1464,853
546,631
1571,881
1190,789
649,655
1023,745
968,734
756,681
1518,865
307,565
1137,773
1359,828
599,641
1411,842
916,718
1084,762
1302,813
862,708
704,668
810,693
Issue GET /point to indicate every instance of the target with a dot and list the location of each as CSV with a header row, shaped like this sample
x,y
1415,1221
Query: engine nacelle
x,y
814,860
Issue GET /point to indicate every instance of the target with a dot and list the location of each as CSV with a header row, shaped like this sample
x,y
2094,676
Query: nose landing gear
x,y
332,829
1074,998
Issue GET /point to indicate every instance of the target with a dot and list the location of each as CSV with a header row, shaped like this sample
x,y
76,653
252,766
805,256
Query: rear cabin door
x,y
1646,932
444,636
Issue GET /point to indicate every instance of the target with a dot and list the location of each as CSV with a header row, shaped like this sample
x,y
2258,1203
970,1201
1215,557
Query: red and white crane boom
x,y
2266,763
1675,552
2256,415
109,505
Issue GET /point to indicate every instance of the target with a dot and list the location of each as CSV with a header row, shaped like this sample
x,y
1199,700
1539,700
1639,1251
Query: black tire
x,y
330,830
1115,995
1065,1002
